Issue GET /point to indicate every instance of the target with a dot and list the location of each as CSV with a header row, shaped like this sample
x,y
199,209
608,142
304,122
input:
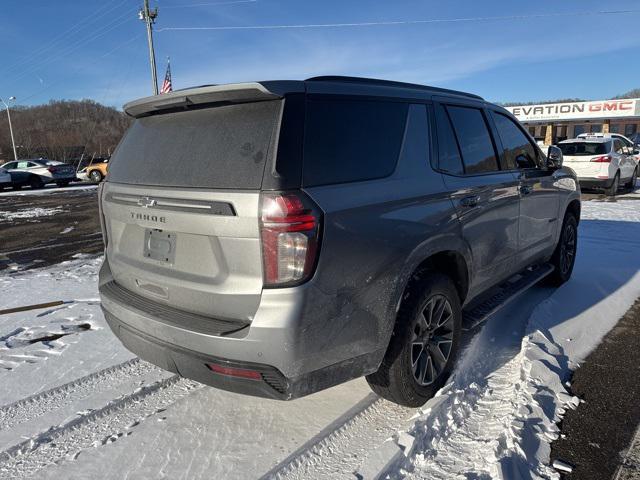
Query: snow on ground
x,y
50,188
28,213
81,406
500,414
27,351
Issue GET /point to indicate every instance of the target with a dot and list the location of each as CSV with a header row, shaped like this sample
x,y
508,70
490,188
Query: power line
x,y
208,4
404,22
96,34
76,28
95,61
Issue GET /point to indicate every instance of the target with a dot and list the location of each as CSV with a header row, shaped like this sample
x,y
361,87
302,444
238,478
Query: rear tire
x,y
36,182
631,184
424,343
564,256
613,189
95,176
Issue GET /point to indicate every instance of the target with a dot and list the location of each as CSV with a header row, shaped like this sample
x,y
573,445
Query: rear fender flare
x,y
430,247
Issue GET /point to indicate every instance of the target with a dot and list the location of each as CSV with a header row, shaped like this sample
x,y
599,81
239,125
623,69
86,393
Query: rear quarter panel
x,y
375,234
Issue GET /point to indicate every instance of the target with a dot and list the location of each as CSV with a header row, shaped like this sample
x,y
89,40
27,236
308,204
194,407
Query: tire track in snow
x,y
100,427
39,404
342,450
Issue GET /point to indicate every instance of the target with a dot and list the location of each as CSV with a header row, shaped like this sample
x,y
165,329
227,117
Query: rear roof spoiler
x,y
232,93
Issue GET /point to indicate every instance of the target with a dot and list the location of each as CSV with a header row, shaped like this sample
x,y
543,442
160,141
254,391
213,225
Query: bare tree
x,y
63,130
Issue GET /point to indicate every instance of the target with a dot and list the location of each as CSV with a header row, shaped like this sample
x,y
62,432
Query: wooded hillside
x,y
62,130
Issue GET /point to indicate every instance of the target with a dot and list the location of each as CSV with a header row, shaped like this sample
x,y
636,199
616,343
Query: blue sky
x,y
89,49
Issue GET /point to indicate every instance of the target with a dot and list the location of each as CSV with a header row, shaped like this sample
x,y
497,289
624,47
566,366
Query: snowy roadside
x,y
499,415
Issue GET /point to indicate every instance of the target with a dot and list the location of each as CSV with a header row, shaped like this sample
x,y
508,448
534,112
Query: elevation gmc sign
x,y
577,110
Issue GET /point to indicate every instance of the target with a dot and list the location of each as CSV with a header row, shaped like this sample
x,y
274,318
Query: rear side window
x,y
449,158
220,147
618,146
475,142
518,151
351,141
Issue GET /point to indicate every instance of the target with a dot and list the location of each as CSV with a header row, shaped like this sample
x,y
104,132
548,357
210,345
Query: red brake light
x,y
602,159
234,372
289,229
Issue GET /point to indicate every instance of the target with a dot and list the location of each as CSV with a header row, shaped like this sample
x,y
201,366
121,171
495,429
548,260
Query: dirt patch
x,y
29,241
603,425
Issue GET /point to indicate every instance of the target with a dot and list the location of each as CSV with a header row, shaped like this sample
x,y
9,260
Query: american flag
x,y
166,85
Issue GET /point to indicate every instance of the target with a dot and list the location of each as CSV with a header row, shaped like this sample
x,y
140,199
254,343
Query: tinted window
x,y
348,141
574,149
475,143
9,165
221,147
618,146
518,151
448,153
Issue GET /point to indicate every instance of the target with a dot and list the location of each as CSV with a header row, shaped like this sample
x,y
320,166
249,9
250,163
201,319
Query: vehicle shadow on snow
x,y
608,258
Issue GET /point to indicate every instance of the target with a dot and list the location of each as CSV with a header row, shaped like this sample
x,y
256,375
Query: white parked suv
x,y
601,162
625,140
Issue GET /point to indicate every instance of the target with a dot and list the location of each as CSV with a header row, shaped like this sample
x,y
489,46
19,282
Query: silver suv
x,y
279,238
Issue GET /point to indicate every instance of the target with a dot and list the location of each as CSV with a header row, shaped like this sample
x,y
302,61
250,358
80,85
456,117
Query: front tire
x,y
95,176
564,256
35,182
424,343
613,189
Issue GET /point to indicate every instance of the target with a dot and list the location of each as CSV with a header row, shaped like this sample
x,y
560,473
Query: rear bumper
x,y
290,359
595,182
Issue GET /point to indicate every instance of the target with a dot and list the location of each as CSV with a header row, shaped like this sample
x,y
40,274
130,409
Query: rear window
x,y
350,141
221,147
576,149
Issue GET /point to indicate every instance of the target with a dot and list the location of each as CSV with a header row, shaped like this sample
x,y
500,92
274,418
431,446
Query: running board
x,y
504,294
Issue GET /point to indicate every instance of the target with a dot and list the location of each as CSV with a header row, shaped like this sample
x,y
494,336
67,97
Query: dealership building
x,y
554,122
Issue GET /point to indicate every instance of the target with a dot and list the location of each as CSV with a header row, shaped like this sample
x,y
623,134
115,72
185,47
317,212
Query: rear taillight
x,y
289,230
602,159
234,372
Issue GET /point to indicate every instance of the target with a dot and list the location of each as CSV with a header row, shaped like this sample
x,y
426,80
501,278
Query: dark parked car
x,y
36,173
278,238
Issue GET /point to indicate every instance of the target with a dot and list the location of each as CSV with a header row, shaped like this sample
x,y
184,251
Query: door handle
x,y
525,189
470,201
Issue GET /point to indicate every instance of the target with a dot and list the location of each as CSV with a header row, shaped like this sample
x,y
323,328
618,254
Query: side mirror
x,y
554,158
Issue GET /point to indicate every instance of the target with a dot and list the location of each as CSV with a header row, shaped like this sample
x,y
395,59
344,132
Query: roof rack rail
x,y
389,83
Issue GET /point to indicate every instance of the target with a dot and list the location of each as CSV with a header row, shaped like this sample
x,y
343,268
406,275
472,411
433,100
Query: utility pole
x,y
149,17
13,142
